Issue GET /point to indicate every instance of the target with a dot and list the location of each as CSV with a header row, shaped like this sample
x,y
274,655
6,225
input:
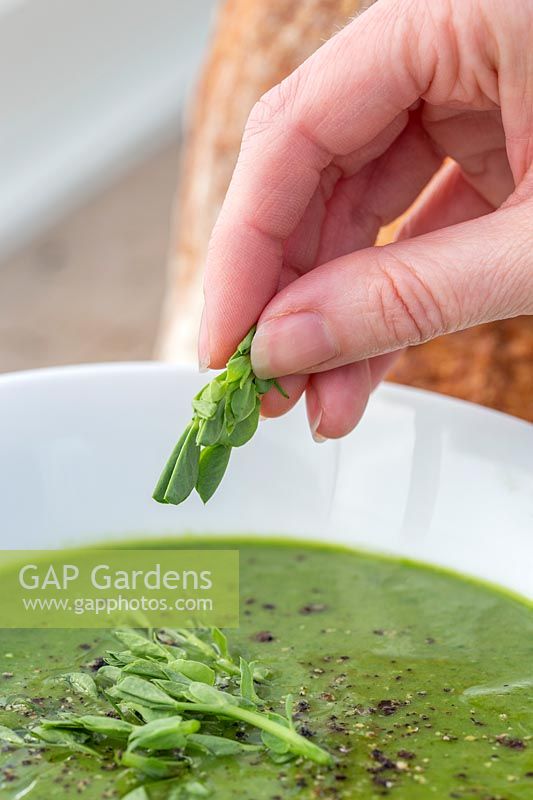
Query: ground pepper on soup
x,y
418,682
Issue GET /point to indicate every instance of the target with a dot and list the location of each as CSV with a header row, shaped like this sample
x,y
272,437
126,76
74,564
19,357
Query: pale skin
x,y
343,146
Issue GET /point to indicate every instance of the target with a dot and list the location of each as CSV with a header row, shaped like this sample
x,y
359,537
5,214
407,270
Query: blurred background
x,y
103,105
92,96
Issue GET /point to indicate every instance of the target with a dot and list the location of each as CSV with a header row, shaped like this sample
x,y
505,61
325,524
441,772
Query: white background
x,y
87,87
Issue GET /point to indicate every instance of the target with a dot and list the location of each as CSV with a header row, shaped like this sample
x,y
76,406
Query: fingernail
x,y
204,358
292,343
314,413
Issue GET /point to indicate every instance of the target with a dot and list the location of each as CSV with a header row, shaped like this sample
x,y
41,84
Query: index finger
x,y
335,103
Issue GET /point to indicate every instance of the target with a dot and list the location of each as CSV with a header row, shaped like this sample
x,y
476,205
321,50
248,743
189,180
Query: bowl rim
x,y
497,440
131,368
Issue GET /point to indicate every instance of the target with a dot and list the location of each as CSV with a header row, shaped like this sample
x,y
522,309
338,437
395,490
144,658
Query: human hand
x,y
343,146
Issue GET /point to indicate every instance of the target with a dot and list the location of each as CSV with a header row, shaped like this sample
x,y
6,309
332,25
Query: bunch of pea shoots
x,y
225,415
151,701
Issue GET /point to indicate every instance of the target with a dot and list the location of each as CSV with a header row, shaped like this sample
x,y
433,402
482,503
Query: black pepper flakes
x,y
312,608
511,742
264,636
406,755
305,730
388,707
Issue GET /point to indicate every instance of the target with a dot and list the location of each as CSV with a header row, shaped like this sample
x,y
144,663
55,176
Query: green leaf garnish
x,y
163,690
10,737
220,641
151,766
66,740
141,692
163,734
81,683
219,745
225,415
185,474
141,646
213,463
247,683
164,480
194,670
92,723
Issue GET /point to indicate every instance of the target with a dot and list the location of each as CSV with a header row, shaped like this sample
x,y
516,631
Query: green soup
x,y
418,682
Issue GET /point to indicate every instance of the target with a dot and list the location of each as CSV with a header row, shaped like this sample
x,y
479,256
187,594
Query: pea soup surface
x,y
420,684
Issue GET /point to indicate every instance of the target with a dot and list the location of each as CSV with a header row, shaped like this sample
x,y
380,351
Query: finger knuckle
x,y
410,311
507,281
273,106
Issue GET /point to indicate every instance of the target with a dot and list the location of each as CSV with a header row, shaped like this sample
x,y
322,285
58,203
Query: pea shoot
x,y
225,415
152,699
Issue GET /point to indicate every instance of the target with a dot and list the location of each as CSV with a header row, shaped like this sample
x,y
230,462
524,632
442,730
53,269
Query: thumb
x,y
384,298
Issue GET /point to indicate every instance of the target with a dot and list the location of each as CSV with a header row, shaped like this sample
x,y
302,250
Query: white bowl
x,y
423,476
